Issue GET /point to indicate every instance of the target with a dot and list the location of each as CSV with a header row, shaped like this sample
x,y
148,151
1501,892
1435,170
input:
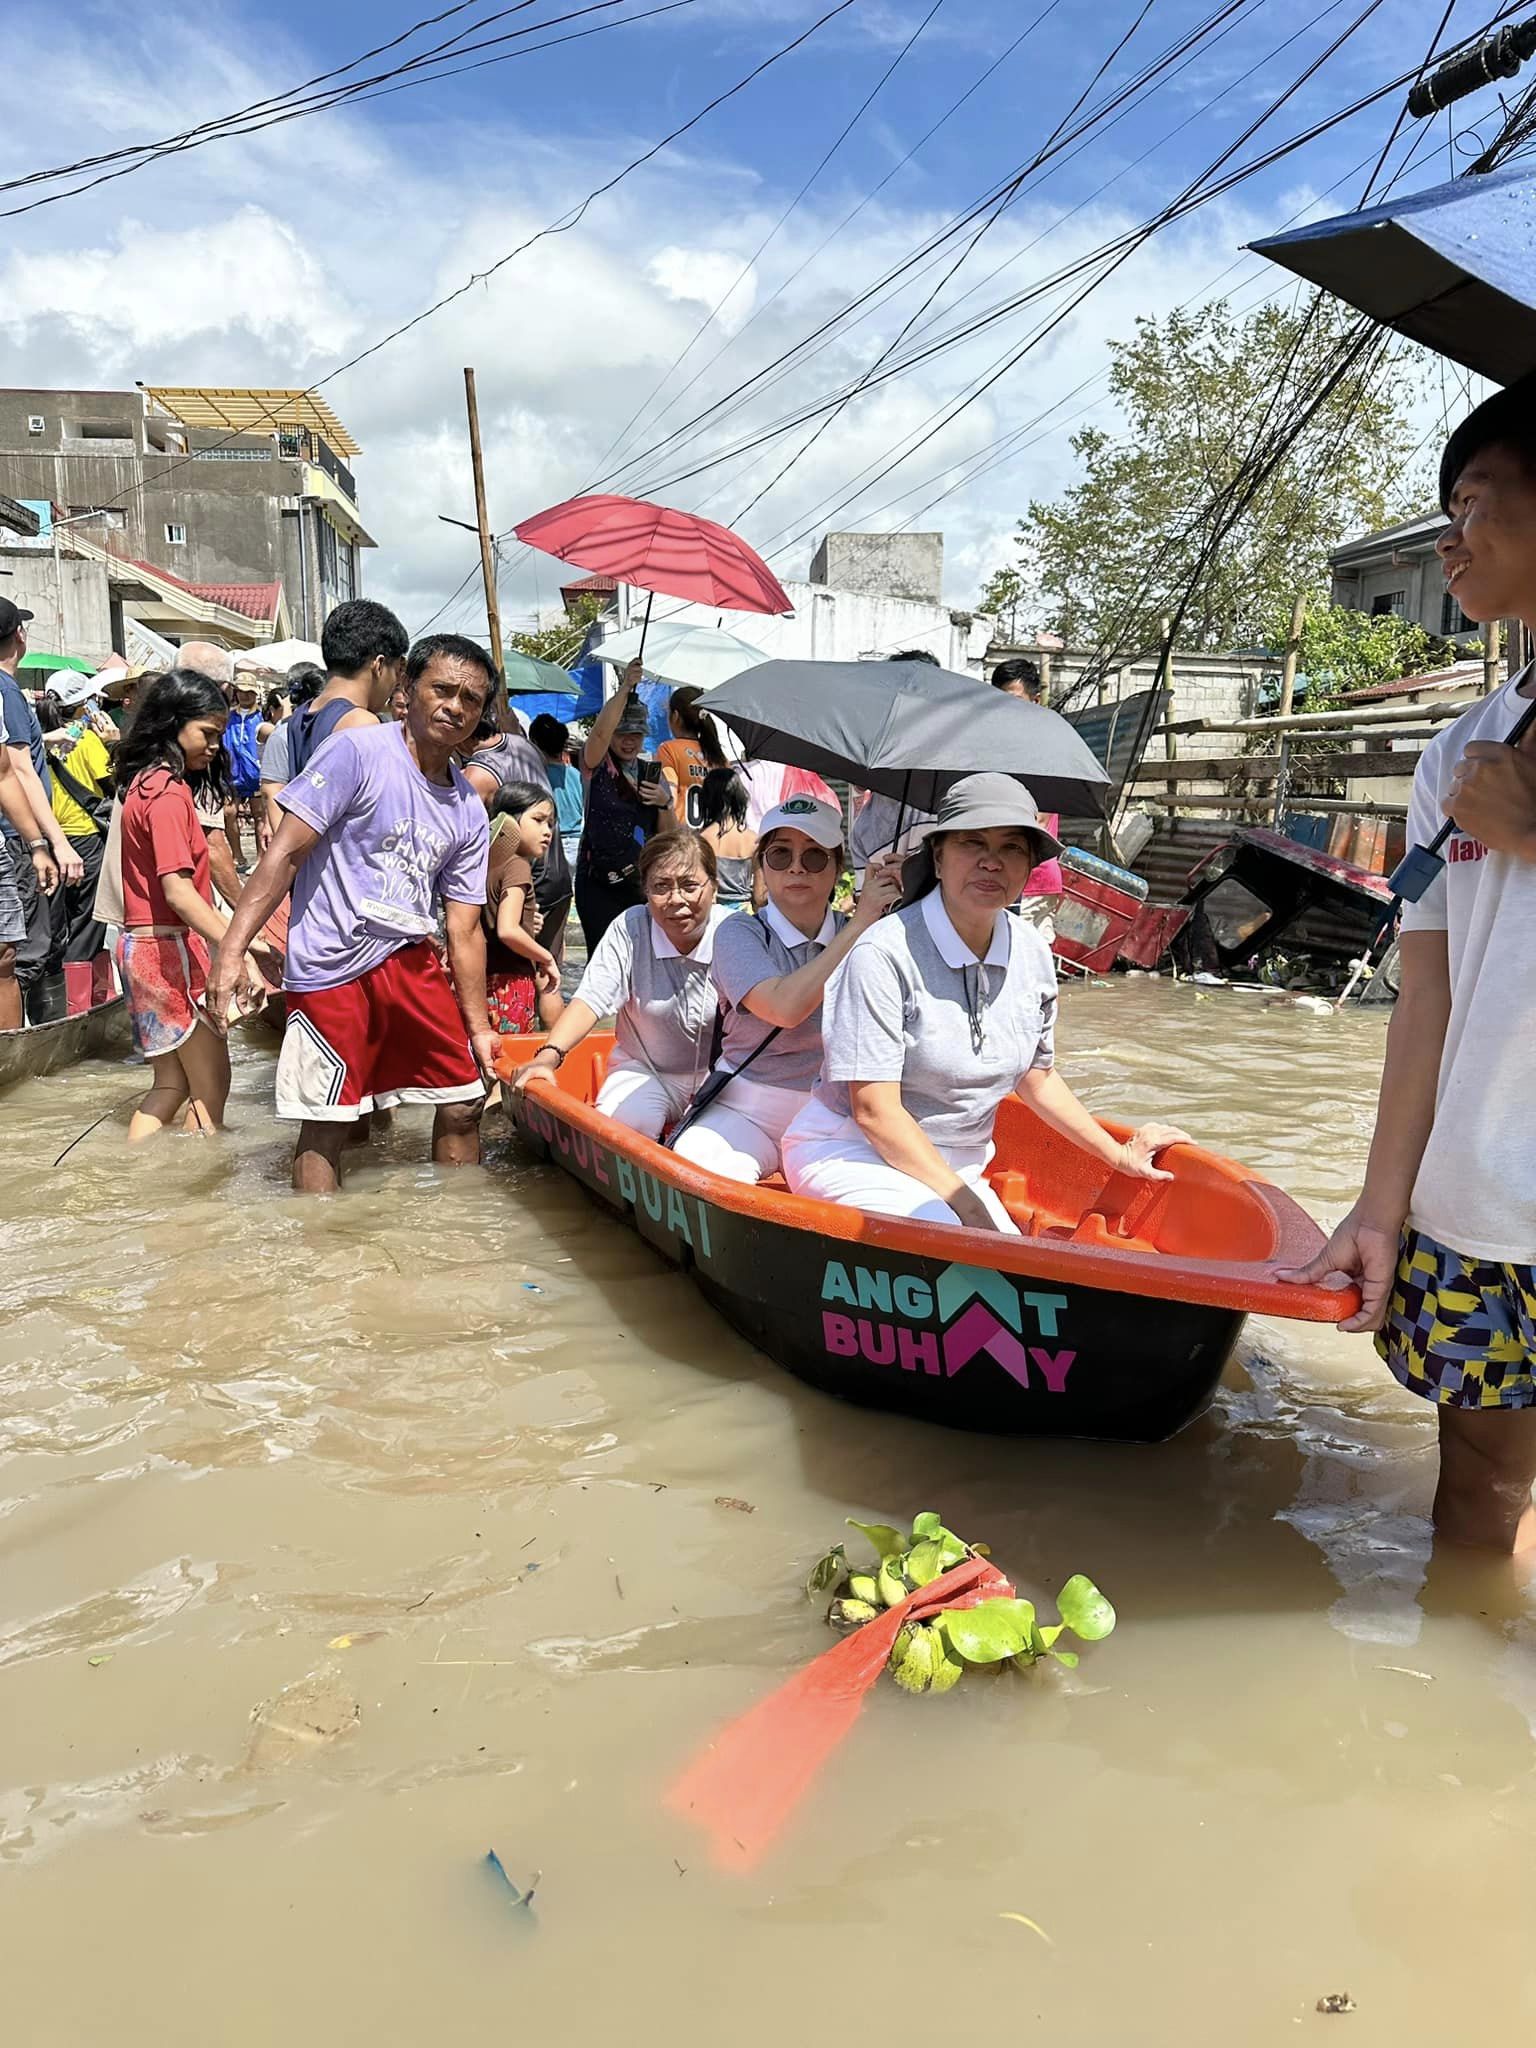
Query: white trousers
x,y
829,1157
740,1133
640,1100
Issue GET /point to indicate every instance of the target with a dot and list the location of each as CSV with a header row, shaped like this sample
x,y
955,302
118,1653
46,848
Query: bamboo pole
x,y
487,552
1292,656
1325,721
1491,651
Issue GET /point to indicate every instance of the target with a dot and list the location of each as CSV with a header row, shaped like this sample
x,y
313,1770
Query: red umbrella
x,y
659,550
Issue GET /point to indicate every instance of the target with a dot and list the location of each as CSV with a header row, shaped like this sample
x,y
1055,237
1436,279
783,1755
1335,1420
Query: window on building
x,y
1390,603
346,571
105,515
1452,618
102,430
175,536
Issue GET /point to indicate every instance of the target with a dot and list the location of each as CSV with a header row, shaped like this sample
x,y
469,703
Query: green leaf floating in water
x,y
827,1572
1085,1610
888,1542
989,1633
925,1562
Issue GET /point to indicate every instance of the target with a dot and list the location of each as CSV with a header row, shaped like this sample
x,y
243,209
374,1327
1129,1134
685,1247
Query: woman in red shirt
x,y
169,920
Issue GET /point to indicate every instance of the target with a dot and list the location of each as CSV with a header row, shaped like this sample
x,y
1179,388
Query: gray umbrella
x,y
1450,267
908,730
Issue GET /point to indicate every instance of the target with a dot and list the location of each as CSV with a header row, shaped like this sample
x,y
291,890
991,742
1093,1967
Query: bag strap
x,y
90,800
718,1079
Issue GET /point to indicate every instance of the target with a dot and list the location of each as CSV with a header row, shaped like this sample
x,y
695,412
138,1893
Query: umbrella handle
x,y
645,626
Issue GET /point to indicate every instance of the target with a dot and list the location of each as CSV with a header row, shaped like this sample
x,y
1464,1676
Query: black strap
x,y
97,808
718,1079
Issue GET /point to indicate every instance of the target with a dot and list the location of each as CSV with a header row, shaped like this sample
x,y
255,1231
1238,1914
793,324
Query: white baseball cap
x,y
807,814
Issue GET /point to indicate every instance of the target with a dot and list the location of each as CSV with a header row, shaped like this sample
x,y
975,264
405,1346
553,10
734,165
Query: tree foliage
x,y
1114,555
562,643
1343,650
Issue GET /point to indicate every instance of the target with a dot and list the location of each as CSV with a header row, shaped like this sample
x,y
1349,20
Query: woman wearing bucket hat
x,y
771,970
935,1016
627,799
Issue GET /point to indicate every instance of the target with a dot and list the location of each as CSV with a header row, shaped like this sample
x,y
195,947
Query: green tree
x,y
1198,392
1342,650
559,644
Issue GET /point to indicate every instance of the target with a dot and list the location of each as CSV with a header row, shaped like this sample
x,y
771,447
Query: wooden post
x,y
487,552
1491,658
1164,681
1292,657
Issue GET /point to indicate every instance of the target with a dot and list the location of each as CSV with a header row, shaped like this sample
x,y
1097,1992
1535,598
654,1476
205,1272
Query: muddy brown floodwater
x,y
344,1541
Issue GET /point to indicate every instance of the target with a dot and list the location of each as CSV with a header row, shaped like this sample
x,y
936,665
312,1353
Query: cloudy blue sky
x,y
275,257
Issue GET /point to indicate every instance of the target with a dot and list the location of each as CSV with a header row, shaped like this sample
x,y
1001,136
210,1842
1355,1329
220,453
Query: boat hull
x,y
44,1048
967,1346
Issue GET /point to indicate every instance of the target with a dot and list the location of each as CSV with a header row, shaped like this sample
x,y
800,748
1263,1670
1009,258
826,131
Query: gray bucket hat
x,y
634,717
977,803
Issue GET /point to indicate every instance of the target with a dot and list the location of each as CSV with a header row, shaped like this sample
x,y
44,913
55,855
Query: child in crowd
x,y
522,979
169,921
1442,1241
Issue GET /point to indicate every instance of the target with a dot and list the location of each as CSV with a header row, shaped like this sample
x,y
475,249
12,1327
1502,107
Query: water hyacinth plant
x,y
933,1655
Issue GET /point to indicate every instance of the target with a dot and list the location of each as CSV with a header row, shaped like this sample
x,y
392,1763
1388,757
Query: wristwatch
x,y
37,846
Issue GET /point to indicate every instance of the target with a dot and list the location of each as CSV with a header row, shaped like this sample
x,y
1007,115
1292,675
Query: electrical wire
x,y
562,225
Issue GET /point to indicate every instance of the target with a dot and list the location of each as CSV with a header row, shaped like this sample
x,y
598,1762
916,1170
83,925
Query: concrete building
x,y
909,565
223,492
1398,571
1216,686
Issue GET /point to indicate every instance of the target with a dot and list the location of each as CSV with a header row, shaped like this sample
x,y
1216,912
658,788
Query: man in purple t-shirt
x,y
379,829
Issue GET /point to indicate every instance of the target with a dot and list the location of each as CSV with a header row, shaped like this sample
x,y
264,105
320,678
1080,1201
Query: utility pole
x,y
1491,653
1292,657
487,552
1164,681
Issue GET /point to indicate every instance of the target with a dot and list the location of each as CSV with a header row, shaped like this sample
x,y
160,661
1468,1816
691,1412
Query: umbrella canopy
x,y
908,730
1450,267
528,676
280,655
36,658
683,655
673,554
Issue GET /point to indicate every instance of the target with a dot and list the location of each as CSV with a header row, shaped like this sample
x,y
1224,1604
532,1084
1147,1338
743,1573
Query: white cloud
x,y
273,259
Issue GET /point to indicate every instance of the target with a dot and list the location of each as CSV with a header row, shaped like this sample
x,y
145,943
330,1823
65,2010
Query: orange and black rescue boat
x,y
1112,1316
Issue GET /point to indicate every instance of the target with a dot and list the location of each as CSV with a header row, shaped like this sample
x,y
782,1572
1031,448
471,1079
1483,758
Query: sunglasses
x,y
814,859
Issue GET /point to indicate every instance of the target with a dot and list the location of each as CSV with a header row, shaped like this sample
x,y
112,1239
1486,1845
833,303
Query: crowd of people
x,y
419,856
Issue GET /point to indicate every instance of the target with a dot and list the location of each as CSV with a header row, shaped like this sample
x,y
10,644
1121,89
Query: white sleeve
x,y
1425,818
605,985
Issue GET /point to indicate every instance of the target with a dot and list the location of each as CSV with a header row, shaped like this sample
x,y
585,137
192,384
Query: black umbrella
x,y
908,730
1450,267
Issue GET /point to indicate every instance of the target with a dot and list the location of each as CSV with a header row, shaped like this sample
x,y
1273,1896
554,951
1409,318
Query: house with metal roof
x,y
239,498
1398,571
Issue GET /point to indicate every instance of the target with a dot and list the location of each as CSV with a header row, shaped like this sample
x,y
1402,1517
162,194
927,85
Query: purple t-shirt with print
x,y
392,843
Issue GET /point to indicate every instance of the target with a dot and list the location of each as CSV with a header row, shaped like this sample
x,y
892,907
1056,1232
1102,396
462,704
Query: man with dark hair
x,y
1442,1241
29,763
1019,678
379,829
916,654
364,646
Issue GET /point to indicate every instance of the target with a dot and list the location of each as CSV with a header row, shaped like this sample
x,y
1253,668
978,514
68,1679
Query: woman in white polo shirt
x,y
770,969
650,972
937,1014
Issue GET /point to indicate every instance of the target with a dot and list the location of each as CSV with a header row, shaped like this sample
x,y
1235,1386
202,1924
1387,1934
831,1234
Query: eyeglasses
x,y
687,886
814,859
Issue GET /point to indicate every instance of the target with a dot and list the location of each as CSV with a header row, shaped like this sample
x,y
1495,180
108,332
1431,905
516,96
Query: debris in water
x,y
104,1658
304,1717
523,1899
742,1507
1336,2001
1033,1926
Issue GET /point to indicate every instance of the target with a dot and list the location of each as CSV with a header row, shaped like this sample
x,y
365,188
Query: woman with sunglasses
x,y
650,973
771,970
934,1017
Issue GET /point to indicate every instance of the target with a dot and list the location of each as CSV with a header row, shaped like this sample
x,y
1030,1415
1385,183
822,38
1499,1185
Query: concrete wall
x,y
907,565
1220,686
70,599
848,625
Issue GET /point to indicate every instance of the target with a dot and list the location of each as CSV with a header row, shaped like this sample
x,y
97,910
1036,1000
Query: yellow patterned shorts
x,y
1460,1331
